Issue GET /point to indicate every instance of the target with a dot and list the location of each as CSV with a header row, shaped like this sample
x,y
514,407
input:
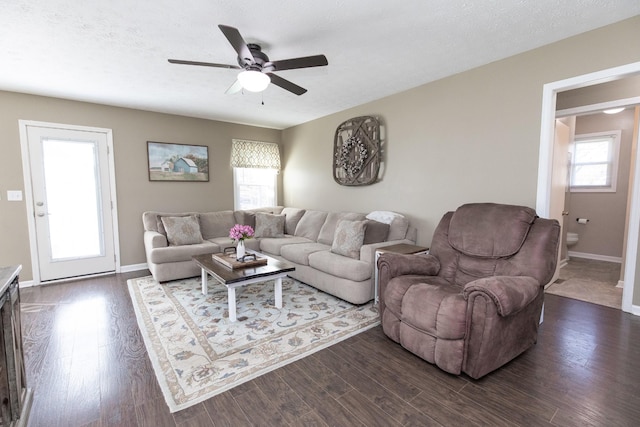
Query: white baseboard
x,y
635,310
133,267
25,283
595,257
620,284
563,262
123,269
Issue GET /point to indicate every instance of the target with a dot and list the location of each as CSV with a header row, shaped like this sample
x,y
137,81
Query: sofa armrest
x,y
153,239
510,294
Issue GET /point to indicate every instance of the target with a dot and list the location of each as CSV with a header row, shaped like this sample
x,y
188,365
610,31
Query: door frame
x,y
28,190
545,163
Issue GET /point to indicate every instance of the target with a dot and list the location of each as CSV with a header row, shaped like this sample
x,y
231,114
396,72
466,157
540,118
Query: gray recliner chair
x,y
474,302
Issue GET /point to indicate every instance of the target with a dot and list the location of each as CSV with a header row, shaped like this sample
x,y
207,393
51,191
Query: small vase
x,y
240,250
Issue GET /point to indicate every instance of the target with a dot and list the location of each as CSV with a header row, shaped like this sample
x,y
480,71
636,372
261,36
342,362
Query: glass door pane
x,y
73,199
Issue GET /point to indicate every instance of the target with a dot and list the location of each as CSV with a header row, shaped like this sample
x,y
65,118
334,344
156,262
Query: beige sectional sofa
x,y
332,251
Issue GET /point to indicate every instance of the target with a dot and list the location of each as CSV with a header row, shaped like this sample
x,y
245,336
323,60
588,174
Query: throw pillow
x,y
269,225
159,224
182,230
376,232
348,238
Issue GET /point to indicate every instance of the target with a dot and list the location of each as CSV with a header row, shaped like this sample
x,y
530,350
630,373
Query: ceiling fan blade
x,y
238,43
234,88
304,62
286,84
204,64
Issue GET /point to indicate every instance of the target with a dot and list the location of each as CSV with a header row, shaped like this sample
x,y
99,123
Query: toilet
x,y
572,238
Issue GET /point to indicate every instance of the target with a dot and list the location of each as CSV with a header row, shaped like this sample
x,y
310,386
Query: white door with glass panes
x,y
70,194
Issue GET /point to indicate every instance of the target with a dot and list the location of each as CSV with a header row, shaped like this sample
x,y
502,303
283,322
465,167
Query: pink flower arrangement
x,y
240,232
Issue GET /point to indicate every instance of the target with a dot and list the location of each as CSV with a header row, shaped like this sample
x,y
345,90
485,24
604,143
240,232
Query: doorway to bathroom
x,y
596,81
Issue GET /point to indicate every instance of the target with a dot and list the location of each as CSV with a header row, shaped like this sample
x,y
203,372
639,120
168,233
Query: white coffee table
x,y
232,279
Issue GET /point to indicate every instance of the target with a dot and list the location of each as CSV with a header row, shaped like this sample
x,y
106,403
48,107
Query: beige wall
x,y
131,131
471,137
604,233
611,91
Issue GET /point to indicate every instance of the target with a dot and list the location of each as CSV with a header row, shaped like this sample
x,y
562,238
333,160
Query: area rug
x,y
197,352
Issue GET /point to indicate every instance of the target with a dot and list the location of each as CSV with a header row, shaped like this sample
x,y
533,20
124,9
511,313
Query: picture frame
x,y
177,162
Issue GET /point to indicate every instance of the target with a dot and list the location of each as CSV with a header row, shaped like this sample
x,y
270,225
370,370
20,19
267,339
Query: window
x,y
254,188
594,165
255,171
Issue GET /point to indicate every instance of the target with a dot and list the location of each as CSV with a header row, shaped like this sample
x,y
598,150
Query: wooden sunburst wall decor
x,y
356,151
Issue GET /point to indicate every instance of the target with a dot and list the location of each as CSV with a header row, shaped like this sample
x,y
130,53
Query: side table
x,y
400,248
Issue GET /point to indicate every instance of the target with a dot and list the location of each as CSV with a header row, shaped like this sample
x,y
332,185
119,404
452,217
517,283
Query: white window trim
x,y
616,134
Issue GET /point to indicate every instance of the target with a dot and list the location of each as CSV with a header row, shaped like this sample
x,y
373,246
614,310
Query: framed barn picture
x,y
177,162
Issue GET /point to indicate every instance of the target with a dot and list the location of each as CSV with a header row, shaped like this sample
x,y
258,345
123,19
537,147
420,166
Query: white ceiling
x,y
115,52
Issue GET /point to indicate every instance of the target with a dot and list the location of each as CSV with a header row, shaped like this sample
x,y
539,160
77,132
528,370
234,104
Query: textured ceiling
x,y
115,52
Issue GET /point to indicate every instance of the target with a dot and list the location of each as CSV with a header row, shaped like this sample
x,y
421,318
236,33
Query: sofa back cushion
x,y
327,232
310,224
293,216
216,224
248,216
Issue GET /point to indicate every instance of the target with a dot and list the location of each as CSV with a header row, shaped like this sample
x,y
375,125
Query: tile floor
x,y
589,280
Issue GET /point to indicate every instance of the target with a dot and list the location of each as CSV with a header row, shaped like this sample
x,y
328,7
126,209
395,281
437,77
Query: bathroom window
x,y
594,166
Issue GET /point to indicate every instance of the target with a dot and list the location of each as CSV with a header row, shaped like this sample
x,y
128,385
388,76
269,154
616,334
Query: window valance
x,y
255,154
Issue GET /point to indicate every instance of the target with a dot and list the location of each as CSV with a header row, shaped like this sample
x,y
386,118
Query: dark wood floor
x,y
88,366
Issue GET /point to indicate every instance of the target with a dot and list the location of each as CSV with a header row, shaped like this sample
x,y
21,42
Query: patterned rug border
x,y
163,380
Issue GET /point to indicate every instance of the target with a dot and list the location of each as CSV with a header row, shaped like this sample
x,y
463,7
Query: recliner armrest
x,y
509,293
401,264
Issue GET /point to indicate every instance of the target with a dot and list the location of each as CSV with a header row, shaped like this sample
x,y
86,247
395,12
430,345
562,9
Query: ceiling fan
x,y
258,69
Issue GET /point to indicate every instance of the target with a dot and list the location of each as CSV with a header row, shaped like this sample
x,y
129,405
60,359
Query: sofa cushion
x,y
328,230
293,216
268,225
274,245
216,224
349,236
376,232
182,230
300,253
490,230
310,224
341,266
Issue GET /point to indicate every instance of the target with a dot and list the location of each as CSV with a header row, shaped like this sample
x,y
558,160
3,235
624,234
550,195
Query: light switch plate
x,y
14,195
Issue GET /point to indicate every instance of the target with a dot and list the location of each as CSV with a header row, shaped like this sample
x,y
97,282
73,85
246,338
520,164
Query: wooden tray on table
x,y
228,259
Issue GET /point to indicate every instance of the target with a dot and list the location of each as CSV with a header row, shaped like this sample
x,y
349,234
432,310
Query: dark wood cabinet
x,y
15,397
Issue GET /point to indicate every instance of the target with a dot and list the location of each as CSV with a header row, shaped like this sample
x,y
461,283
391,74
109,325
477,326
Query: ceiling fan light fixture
x,y
253,81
